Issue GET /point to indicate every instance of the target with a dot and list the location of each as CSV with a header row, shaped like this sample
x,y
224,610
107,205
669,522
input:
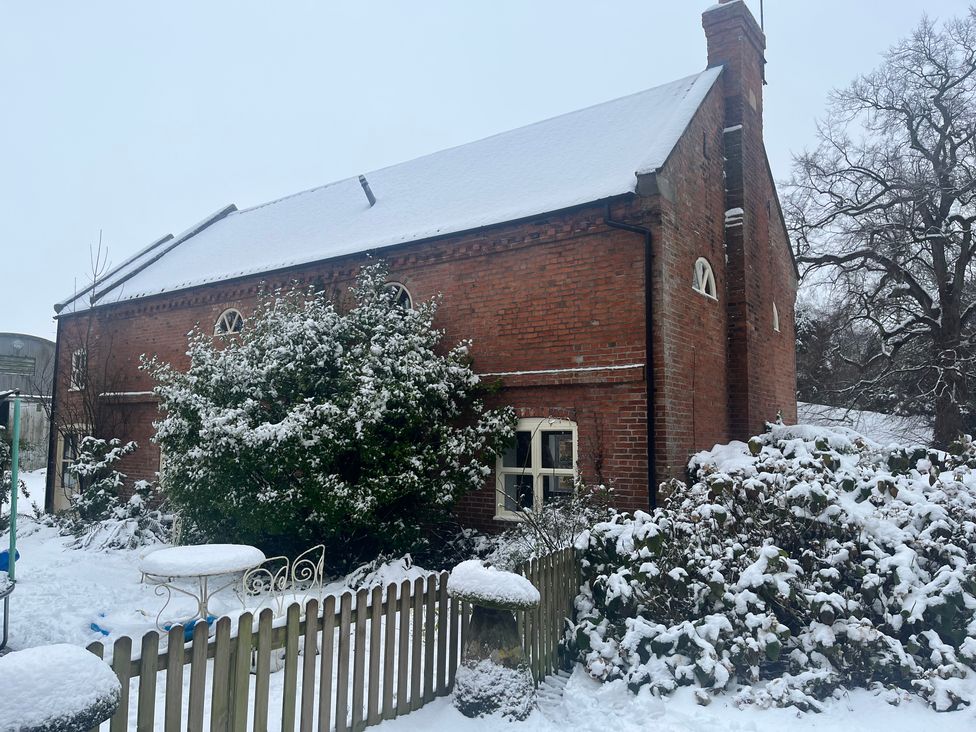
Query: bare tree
x,y
90,405
882,217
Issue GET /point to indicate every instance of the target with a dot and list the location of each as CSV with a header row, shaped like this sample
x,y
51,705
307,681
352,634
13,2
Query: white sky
x,y
139,119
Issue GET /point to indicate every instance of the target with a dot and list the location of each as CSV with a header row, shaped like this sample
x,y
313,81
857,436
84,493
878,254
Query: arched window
x,y
704,281
229,322
775,318
401,295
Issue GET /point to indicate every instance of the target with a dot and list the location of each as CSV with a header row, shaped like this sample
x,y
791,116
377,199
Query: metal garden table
x,y
200,564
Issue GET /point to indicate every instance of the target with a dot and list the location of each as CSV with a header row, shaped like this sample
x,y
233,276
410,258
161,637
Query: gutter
x,y
648,352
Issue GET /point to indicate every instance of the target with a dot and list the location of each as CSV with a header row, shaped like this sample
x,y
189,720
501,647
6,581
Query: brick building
x,y
625,260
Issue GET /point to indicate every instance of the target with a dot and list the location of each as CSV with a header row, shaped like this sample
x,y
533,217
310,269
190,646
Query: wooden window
x,y
69,443
401,295
230,322
538,466
704,279
78,378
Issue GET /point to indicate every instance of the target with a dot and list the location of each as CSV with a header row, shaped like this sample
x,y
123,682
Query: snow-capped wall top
x,y
584,156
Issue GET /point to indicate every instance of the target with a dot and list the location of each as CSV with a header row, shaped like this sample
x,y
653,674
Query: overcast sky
x,y
139,119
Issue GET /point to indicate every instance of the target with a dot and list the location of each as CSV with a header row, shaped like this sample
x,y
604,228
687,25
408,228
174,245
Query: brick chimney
x,y
736,42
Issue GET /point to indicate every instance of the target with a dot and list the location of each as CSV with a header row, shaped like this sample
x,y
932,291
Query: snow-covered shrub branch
x,y
99,516
809,557
317,424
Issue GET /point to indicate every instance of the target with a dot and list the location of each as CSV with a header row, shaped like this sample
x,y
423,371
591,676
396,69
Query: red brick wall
x,y
562,292
565,294
692,388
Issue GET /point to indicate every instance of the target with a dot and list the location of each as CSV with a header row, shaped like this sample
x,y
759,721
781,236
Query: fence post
x,y
403,656
359,660
99,650
148,664
121,664
241,681
443,630
342,673
375,649
262,677
308,665
325,672
289,696
430,642
389,651
417,639
198,676
220,690
173,713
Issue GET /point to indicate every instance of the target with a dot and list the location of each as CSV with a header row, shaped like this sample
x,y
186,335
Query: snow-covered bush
x,y
98,515
809,557
354,427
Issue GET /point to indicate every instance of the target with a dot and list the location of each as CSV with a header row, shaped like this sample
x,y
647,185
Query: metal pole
x,y
14,465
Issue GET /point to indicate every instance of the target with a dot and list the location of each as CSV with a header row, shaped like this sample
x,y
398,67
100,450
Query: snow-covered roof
x,y
589,155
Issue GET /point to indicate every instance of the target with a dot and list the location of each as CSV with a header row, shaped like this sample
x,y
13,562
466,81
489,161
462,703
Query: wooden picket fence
x,y
374,658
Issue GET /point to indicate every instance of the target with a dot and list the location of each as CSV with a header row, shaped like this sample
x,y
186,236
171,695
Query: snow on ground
x,y
882,428
586,704
61,592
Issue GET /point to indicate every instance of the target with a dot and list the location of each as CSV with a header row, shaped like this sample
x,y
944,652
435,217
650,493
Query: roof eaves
x,y
185,236
59,306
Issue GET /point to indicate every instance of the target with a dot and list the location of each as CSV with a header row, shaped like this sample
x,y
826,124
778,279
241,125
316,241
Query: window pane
x,y
557,450
519,454
518,492
556,486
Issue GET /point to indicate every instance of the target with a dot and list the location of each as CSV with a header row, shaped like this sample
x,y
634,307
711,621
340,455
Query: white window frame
x,y
775,318
536,426
78,376
401,295
703,281
59,474
227,319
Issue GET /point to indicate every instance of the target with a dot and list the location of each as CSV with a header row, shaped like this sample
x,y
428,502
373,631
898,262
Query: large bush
x,y
317,424
809,558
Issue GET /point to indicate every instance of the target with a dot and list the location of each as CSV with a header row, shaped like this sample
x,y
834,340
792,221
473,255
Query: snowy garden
x,y
810,577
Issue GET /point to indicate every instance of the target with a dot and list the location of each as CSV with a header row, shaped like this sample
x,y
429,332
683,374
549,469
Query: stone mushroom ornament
x,y
493,676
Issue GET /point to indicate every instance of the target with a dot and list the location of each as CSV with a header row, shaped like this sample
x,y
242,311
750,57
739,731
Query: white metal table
x,y
202,563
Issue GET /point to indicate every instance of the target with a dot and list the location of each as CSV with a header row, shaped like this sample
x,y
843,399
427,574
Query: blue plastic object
x,y
5,559
188,626
98,628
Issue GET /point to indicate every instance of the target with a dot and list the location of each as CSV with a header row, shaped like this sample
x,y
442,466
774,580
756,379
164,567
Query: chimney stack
x,y
736,42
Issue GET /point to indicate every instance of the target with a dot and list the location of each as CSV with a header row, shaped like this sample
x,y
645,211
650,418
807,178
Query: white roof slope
x,y
584,156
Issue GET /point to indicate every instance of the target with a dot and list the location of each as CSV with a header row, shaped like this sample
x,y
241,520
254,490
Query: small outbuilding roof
x,y
585,156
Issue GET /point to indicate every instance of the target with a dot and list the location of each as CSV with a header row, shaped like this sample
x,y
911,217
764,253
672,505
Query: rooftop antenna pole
x,y
762,17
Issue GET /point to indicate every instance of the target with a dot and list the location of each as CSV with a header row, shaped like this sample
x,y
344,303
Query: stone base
x,y
484,687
